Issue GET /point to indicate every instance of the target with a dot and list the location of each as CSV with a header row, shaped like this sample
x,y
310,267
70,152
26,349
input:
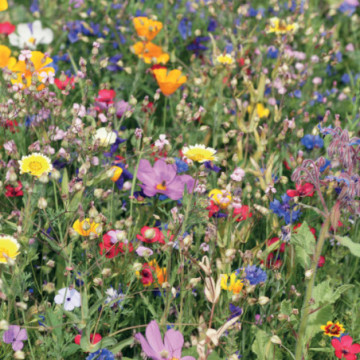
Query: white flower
x,y
31,35
70,298
161,142
104,137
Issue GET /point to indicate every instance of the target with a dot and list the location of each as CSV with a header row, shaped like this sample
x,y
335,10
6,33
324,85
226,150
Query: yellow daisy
x,y
199,153
235,285
9,248
36,164
85,227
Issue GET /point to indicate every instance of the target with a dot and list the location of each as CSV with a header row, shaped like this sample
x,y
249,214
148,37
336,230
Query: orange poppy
x,y
150,53
5,59
146,27
169,82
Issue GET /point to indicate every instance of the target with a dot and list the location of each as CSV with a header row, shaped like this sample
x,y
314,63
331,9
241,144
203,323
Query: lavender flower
x,y
15,336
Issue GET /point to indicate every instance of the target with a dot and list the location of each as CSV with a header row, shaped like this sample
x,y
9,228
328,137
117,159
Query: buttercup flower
x,y
30,35
3,5
104,137
225,59
15,336
261,111
35,164
150,53
345,349
9,248
85,227
70,298
146,27
5,59
199,153
169,82
235,285
281,27
333,329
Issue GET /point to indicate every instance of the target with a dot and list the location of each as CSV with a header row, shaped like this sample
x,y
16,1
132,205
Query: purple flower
x,y
163,179
15,336
121,107
154,347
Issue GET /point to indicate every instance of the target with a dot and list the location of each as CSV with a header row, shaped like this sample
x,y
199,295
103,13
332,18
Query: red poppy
x,y
213,209
11,125
147,274
7,28
344,348
310,228
150,235
110,249
14,191
302,190
62,84
242,213
94,339
321,261
106,96
271,262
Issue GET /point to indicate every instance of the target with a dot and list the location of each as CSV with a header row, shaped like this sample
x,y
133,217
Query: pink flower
x,y
154,347
238,174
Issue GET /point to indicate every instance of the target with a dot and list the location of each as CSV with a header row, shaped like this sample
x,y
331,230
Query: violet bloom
x,y
162,179
154,347
15,336
121,107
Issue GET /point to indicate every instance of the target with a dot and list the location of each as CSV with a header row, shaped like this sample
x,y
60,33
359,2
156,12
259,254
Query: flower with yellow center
x,y
199,153
39,68
169,82
85,227
261,111
235,285
5,59
280,26
333,329
150,53
147,28
9,248
3,5
225,59
220,197
35,164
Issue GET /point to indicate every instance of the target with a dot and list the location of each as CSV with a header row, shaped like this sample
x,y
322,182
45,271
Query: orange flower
x,y
169,82
147,28
150,53
5,59
39,67
3,5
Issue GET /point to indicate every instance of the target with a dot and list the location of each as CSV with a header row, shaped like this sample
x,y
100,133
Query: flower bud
x,y
4,325
42,203
308,274
275,340
263,300
137,266
19,354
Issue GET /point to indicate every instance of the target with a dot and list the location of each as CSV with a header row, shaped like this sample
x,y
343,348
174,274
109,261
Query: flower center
x,y
161,186
4,253
32,40
35,166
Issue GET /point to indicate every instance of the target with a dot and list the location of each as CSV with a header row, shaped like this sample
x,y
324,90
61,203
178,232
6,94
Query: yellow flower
x,y
85,227
39,68
36,164
220,197
225,59
117,171
150,53
9,248
169,82
332,329
147,28
160,273
261,111
280,26
235,285
3,5
5,59
199,153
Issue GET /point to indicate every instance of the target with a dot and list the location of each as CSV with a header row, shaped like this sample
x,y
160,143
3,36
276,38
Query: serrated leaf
x,y
304,242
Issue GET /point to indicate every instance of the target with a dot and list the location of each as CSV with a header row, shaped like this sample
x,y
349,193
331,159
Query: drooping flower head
x,y
35,164
9,248
199,153
6,60
15,336
333,329
231,283
147,28
85,227
169,82
150,53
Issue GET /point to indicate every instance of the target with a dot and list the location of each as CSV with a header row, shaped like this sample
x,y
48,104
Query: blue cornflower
x,y
196,46
255,275
347,8
345,78
284,209
212,25
272,52
113,63
102,354
114,147
235,311
311,141
297,94
184,27
181,166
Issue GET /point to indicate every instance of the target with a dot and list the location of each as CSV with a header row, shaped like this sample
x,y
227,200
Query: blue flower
x,y
235,311
255,275
209,165
212,25
272,52
326,165
113,66
347,8
181,166
311,141
102,354
184,27
284,209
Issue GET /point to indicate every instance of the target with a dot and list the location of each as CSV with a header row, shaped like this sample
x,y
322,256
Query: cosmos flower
x,y
235,285
154,347
35,164
333,329
280,26
30,35
70,298
85,227
147,28
150,53
5,59
345,349
3,5
169,82
9,248
15,336
199,153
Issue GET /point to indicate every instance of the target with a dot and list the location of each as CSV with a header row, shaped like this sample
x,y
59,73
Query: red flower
x,y
62,84
321,261
344,348
14,191
110,249
244,213
94,339
106,96
7,28
147,275
11,124
241,61
150,235
213,209
286,164
302,190
273,240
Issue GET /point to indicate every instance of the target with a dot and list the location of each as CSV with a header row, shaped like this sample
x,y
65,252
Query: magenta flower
x,y
162,179
15,336
154,347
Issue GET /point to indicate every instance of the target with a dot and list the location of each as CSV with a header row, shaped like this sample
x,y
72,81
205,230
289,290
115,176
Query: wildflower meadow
x,y
179,179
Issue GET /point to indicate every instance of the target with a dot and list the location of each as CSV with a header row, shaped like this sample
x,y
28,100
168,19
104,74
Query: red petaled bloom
x,y
302,190
110,249
213,209
7,28
11,125
344,348
321,261
106,96
286,164
94,339
242,213
150,235
62,84
147,274
14,191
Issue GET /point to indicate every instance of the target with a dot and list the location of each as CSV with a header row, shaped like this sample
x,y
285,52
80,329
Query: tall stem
x,y
309,289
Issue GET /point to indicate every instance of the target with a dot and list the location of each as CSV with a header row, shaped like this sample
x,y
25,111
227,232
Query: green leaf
x,y
286,307
264,348
121,345
70,350
346,241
